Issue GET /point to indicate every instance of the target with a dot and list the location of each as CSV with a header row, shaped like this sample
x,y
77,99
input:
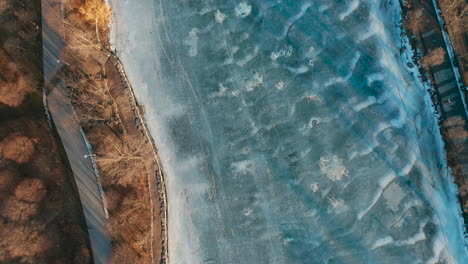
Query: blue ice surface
x,y
290,132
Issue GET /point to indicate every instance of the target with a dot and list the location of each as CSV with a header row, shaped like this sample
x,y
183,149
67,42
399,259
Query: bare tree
x,y
26,242
122,253
434,58
81,41
413,22
31,190
14,92
4,5
92,98
18,211
454,11
122,159
17,148
98,12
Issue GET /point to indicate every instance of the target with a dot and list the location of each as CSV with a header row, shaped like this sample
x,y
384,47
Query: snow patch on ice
x,y
243,10
279,85
220,17
333,167
255,82
351,7
192,42
284,52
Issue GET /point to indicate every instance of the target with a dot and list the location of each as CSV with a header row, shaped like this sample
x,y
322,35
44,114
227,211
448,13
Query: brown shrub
x,y
8,179
17,148
25,241
18,211
434,58
13,93
31,190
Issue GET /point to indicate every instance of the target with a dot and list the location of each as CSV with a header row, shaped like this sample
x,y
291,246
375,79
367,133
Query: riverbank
x,y
435,66
41,218
93,80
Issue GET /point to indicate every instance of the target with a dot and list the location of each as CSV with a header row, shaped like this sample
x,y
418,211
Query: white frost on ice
x,y
248,211
243,10
279,85
336,203
243,167
192,42
314,186
248,57
220,17
393,196
284,52
333,167
254,82
351,7
314,121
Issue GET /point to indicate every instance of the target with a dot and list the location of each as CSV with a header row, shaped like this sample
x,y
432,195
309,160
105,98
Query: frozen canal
x,y
290,132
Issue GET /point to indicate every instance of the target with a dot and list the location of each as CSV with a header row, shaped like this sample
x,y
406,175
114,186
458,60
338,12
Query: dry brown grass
x,y
433,58
18,211
31,190
17,148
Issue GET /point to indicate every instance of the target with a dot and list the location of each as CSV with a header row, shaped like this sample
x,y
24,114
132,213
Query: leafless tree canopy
x,y
24,241
454,12
96,12
31,190
17,148
413,22
14,92
18,211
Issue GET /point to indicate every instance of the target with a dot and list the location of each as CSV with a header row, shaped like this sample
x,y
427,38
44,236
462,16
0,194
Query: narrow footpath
x,y
72,138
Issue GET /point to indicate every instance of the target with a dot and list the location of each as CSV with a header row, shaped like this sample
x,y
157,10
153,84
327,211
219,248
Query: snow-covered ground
x,y
290,132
